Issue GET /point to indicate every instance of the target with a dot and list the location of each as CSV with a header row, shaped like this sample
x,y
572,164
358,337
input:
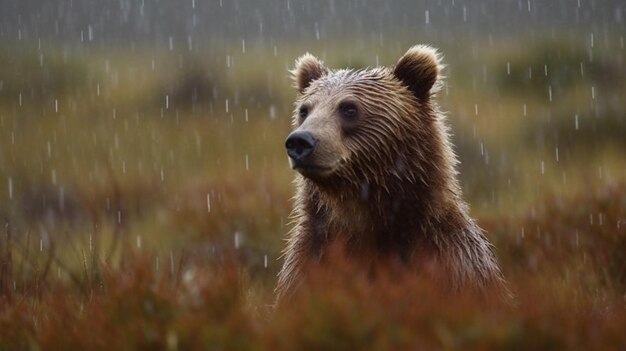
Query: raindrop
x,y
247,163
264,261
272,112
237,239
591,39
119,217
167,102
56,105
556,152
464,14
54,176
576,121
600,219
246,113
226,105
545,70
508,68
593,93
62,198
10,188
582,70
524,108
162,175
427,16
171,264
139,241
20,99
543,167
208,202
528,5
171,43
550,93
243,46
476,109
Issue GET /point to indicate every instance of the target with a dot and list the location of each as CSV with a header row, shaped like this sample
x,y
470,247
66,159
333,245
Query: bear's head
x,y
365,126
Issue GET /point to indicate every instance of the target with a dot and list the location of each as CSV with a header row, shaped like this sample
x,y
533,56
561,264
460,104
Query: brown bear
x,y
377,172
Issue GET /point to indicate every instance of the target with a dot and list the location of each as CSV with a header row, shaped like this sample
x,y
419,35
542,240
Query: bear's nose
x,y
300,145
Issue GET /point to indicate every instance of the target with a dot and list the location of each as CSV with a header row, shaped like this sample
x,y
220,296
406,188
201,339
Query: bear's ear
x,y
419,69
308,69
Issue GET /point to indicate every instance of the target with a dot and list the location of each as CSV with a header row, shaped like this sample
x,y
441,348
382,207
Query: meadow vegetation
x,y
144,198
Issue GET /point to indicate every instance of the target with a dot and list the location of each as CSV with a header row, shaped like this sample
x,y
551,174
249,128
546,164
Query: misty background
x,y
151,23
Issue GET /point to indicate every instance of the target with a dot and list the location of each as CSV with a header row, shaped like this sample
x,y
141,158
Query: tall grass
x,y
567,276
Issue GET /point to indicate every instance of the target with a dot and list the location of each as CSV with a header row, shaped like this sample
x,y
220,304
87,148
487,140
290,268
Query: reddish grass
x,y
566,272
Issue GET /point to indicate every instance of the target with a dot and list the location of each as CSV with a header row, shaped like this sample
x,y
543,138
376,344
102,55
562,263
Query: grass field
x,y
144,197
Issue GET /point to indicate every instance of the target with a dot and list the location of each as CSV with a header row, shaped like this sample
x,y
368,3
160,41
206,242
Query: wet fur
x,y
394,196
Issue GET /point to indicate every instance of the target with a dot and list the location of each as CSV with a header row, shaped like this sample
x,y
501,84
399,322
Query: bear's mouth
x,y
311,170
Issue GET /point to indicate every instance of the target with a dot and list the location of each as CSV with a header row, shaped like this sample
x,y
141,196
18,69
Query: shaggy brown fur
x,y
382,177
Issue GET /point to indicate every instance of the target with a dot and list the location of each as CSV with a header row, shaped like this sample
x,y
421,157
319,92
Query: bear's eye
x,y
348,110
303,112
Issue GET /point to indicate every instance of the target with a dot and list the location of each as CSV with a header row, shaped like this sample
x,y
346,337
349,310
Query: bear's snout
x,y
300,145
